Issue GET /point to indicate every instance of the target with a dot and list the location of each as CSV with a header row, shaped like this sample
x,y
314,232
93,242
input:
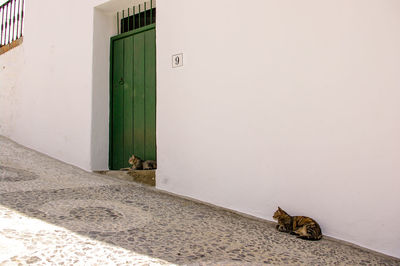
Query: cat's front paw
x,y
281,228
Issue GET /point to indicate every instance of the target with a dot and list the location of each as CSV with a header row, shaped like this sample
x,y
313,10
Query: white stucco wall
x,y
10,64
53,94
103,29
289,103
49,83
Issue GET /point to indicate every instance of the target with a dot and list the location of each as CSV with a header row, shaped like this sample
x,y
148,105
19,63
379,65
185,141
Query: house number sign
x,y
177,60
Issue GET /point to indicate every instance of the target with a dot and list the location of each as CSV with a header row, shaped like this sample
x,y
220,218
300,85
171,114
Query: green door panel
x,y
128,98
150,94
138,92
117,104
133,97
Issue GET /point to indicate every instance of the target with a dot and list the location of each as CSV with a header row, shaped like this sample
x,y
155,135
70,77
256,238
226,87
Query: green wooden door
x,y
133,97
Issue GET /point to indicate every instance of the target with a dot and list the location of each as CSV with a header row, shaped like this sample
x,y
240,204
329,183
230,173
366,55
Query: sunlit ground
x,y
26,240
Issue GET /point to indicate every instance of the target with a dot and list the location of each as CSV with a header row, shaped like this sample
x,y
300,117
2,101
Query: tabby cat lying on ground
x,y
303,227
139,164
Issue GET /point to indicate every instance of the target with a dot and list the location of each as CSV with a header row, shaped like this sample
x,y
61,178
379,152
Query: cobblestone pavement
x,y
54,213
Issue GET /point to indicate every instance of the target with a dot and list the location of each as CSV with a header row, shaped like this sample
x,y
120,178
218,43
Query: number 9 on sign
x,y
177,60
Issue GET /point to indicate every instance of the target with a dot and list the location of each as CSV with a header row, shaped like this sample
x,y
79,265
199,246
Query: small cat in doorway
x,y
139,164
302,226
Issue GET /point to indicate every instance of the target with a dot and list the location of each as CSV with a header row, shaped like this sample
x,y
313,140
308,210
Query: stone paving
x,y
52,213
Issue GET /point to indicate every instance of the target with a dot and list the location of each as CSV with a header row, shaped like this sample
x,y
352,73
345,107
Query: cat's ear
x,y
279,208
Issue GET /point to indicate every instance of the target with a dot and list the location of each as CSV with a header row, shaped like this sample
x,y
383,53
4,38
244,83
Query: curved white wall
x,y
289,103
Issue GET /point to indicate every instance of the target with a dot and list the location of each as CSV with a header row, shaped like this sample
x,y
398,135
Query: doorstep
x,y
147,177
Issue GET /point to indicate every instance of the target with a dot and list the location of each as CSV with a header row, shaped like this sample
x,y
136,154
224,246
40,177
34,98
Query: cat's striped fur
x,y
136,162
302,226
139,164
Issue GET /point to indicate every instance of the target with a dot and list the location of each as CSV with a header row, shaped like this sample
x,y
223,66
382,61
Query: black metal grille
x,y
136,17
12,21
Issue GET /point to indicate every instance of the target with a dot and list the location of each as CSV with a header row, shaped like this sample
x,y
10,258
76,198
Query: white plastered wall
x,y
104,28
10,66
51,100
289,103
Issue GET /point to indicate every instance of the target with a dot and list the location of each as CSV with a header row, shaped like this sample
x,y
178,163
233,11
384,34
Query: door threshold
x,y
146,177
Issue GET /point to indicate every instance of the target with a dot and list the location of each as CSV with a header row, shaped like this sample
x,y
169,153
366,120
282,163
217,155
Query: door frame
x,y
112,40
